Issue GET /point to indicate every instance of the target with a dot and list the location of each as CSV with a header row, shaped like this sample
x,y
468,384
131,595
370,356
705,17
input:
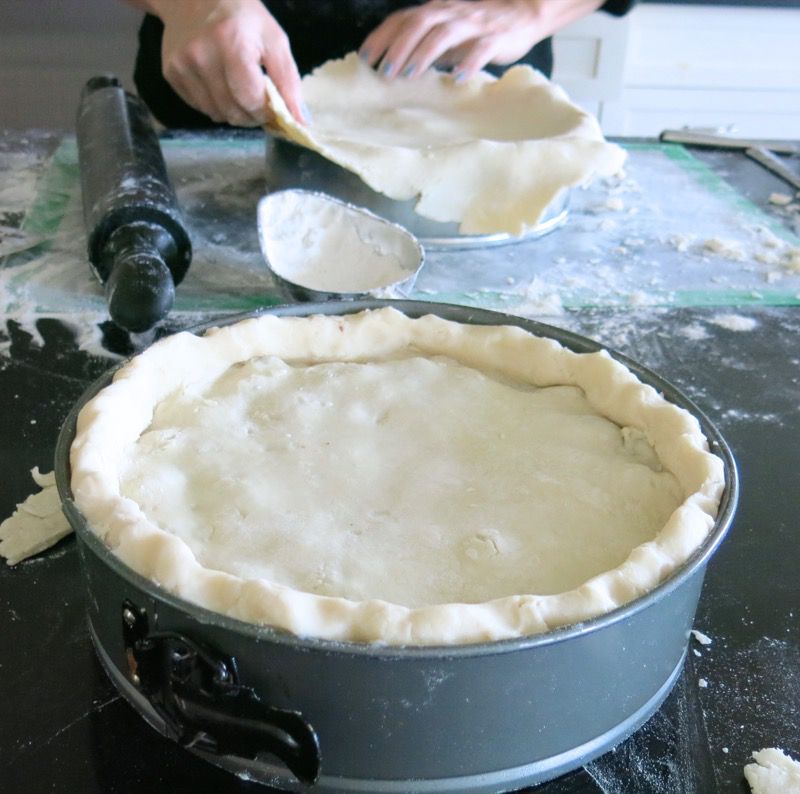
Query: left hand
x,y
465,34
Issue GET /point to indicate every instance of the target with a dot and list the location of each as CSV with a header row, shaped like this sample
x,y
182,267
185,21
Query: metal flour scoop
x,y
323,249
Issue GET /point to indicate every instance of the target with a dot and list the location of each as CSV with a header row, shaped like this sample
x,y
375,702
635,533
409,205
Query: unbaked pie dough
x,y
490,154
382,479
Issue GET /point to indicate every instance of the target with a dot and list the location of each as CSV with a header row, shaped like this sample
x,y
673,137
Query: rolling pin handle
x,y
139,285
140,291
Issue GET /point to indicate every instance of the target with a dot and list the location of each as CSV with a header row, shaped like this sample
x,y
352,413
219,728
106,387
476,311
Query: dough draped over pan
x,y
490,154
179,384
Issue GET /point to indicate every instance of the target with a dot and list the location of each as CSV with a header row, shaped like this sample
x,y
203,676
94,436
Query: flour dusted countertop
x,y
71,732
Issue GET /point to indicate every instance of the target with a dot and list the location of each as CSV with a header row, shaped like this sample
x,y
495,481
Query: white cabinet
x,y
589,60
700,66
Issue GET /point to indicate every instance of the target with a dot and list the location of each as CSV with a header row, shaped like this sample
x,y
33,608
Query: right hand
x,y
464,34
212,54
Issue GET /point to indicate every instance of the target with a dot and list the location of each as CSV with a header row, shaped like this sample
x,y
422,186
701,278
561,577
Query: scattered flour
x,y
695,332
634,242
763,247
791,260
768,238
621,183
734,322
726,249
20,176
681,242
614,204
735,415
539,300
767,257
642,298
754,703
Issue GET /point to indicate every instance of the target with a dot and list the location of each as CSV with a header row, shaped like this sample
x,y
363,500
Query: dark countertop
x,y
65,729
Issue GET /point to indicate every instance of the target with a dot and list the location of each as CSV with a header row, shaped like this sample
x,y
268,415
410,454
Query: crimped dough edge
x,y
118,414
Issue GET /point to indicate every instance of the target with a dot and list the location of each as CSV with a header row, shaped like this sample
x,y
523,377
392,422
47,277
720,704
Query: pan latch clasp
x,y
197,692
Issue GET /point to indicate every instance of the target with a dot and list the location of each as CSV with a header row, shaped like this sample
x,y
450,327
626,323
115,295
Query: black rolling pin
x,y
138,245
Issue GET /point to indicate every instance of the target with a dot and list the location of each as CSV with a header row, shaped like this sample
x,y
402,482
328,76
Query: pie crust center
x,y
377,478
416,480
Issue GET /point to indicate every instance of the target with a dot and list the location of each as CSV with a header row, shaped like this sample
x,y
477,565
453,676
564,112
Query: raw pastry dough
x,y
773,772
377,478
490,154
308,476
37,523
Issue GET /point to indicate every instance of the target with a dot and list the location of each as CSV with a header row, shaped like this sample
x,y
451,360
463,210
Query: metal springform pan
x,y
307,714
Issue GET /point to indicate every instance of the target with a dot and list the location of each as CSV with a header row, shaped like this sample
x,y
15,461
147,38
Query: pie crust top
x,y
377,478
489,154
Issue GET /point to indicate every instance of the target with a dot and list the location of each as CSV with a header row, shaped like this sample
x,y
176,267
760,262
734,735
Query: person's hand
x,y
465,34
212,54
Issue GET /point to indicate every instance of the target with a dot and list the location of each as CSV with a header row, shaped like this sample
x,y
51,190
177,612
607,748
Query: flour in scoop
x,y
324,244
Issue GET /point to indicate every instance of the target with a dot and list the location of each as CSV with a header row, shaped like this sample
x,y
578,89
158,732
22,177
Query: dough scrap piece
x,y
703,639
36,524
774,772
490,154
121,413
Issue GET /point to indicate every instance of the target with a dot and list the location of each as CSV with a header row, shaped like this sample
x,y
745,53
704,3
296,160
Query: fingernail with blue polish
x,y
364,55
409,70
306,113
459,76
386,68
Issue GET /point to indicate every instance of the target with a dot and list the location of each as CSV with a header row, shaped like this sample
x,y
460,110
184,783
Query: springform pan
x,y
303,714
